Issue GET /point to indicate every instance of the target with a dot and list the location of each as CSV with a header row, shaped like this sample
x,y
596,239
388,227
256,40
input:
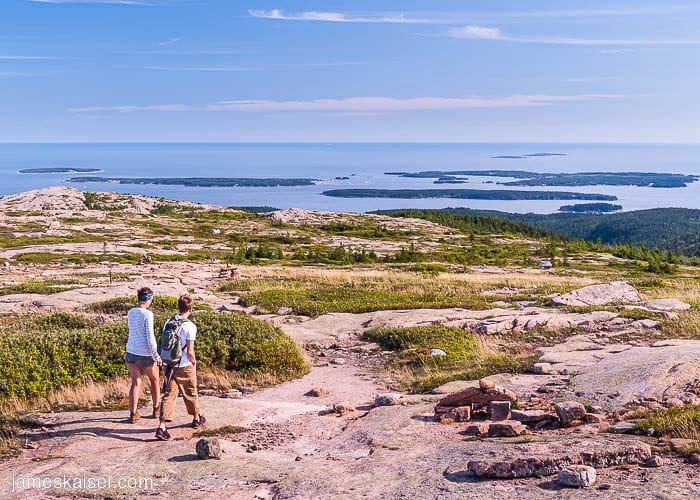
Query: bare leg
x,y
135,390
153,377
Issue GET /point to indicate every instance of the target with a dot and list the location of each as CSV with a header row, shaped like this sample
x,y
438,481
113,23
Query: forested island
x,y
670,229
59,170
525,178
201,181
466,194
591,208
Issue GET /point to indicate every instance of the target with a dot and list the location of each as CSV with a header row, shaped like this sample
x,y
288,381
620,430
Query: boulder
x,y
542,368
388,399
617,292
656,461
437,352
318,392
448,414
668,305
507,428
208,448
338,361
546,458
577,476
661,371
474,395
486,385
284,311
498,410
622,428
477,429
343,408
532,417
570,411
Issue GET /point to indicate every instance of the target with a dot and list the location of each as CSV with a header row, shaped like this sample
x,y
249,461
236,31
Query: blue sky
x,y
225,70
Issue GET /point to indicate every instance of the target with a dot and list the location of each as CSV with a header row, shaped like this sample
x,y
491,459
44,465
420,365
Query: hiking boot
x,y
199,421
162,434
134,417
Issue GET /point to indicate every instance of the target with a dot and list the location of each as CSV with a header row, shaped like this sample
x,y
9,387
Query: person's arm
x,y
152,344
190,352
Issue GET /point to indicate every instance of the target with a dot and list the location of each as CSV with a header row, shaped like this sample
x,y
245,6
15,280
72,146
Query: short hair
x,y
144,292
185,303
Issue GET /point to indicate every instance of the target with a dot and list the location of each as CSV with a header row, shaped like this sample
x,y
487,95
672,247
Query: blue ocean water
x,y
365,164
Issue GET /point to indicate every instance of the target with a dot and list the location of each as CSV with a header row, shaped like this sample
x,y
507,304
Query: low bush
x,y
50,352
415,369
680,422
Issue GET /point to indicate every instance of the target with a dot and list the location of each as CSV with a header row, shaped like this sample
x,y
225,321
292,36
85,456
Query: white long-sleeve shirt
x,y
142,341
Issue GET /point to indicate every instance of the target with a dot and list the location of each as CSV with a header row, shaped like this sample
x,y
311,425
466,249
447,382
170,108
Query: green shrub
x,y
679,422
46,353
458,344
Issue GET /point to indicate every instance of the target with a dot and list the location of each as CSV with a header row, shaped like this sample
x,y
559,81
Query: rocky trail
x,y
287,443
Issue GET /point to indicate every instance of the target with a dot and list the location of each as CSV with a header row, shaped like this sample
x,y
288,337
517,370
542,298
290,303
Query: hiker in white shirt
x,y
182,376
142,354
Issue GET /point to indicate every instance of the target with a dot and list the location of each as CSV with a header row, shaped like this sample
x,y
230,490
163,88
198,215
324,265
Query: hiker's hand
x,y
159,362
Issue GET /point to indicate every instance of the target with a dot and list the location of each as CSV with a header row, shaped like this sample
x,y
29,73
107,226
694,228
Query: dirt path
x,y
293,448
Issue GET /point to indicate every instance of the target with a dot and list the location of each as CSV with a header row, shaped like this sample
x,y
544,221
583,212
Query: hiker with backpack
x,y
176,348
142,353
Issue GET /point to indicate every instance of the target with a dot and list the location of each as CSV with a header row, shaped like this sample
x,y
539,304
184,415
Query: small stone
x,y
343,408
694,458
542,368
655,461
208,448
437,352
506,428
569,412
318,392
682,445
477,428
338,361
498,410
623,428
594,418
605,487
284,311
448,414
486,385
577,476
232,394
298,459
388,399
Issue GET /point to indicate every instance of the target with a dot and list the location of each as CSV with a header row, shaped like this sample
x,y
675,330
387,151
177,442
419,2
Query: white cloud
x,y
170,41
486,33
478,32
362,104
336,17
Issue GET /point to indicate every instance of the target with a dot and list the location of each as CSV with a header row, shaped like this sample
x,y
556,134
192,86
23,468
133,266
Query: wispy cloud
x,y
495,34
109,2
270,67
206,69
15,57
338,17
170,41
362,104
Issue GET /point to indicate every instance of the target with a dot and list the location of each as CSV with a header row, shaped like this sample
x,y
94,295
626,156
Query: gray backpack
x,y
169,346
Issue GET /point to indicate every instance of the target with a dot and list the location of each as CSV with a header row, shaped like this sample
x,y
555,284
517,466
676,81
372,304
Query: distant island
x,y
59,170
531,155
201,181
525,178
465,194
591,208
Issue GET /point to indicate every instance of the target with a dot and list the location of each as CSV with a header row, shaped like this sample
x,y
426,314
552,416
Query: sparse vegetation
x,y
679,422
